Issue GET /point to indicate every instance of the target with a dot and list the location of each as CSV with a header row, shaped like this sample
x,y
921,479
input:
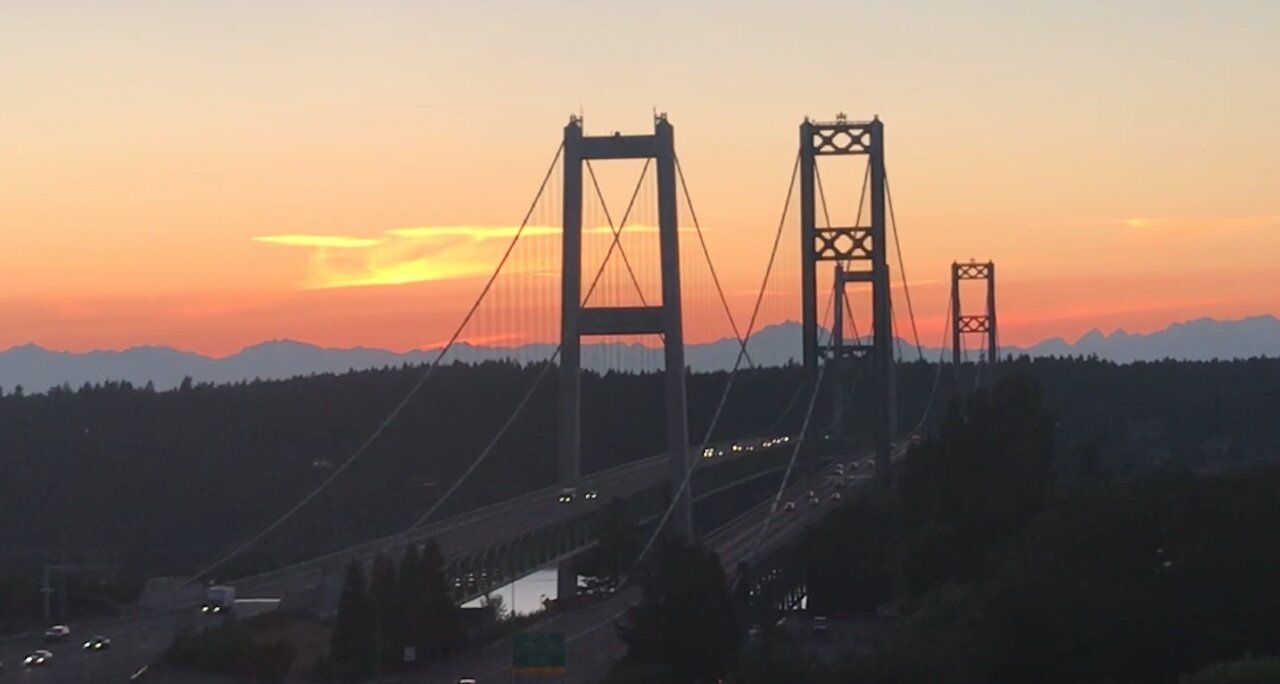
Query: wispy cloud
x,y
1169,224
416,254
476,233
331,241
479,233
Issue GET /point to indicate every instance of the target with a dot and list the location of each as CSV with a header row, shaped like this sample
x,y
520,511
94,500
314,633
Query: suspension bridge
x,y
635,284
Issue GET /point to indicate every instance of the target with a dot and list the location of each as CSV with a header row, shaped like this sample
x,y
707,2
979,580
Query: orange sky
x,y
211,175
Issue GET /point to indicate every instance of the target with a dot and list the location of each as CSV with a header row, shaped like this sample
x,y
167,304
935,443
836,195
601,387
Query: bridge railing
x,y
504,507
340,558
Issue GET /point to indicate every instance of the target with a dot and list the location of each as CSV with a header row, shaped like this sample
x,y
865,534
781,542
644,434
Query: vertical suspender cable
x,y
404,401
733,374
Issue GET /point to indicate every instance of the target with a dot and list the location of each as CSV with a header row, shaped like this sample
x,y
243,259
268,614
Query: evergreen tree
x,y
411,599
442,624
977,483
351,647
384,588
685,622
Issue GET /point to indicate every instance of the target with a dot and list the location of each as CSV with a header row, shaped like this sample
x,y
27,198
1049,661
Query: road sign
x,y
538,653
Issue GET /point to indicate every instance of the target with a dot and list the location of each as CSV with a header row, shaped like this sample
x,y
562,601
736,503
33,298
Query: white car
x,y
790,507
57,633
97,643
38,659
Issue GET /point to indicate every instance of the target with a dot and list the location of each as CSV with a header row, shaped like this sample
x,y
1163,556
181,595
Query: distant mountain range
x,y
37,369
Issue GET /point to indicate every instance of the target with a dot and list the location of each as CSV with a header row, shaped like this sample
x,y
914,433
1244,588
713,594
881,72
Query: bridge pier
x,y
566,581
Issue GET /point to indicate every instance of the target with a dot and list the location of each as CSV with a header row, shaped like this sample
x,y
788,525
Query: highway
x,y
133,644
138,640
490,526
592,637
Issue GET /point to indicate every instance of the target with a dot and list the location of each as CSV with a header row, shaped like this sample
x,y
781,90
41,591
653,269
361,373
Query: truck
x,y
218,599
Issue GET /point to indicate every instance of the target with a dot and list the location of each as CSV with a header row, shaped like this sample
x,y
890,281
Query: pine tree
x,y
411,599
442,624
384,587
685,621
352,646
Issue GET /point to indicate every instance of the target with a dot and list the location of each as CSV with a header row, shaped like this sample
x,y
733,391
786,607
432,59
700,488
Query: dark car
x,y
57,633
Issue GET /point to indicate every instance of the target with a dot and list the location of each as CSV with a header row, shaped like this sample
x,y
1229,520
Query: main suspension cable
x,y
791,464
404,401
724,301
937,376
547,365
902,266
733,374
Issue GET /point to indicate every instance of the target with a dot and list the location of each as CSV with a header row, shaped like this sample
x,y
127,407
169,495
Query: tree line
x,y
399,617
1008,557
166,481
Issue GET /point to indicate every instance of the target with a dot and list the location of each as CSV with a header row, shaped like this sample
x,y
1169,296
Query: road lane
x,y
590,629
138,640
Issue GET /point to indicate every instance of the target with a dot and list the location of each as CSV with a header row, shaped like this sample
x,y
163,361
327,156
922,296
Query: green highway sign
x,y
538,653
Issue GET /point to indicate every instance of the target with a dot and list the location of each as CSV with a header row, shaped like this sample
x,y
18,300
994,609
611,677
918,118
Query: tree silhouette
x,y
686,621
442,621
352,647
384,586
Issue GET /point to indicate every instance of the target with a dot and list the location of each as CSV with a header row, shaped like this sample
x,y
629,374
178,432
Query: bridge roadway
x,y
139,639
590,629
494,525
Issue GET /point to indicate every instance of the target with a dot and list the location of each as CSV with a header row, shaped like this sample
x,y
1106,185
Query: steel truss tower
x,y
861,253
982,324
578,320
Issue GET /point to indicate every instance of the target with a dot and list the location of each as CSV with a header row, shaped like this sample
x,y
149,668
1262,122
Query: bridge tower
x,y
861,254
578,320
981,324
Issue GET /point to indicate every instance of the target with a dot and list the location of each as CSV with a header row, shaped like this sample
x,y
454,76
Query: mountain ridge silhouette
x,y
37,369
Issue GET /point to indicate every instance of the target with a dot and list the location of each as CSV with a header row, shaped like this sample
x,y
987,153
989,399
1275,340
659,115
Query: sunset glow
x,y
212,175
